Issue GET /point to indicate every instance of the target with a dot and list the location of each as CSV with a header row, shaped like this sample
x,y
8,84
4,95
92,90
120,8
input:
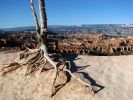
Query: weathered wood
x,y
40,54
43,17
35,17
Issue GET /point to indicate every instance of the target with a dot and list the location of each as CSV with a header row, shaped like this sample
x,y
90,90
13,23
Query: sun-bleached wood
x,y
41,56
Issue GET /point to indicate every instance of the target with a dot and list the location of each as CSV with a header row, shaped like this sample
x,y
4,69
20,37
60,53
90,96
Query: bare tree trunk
x,y
41,55
43,34
43,38
35,17
43,17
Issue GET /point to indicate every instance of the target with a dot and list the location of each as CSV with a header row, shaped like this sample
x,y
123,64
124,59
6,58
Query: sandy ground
x,y
114,73
112,77
37,86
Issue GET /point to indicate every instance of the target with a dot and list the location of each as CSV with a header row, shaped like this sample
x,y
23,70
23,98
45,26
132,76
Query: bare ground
x,y
112,75
115,73
37,86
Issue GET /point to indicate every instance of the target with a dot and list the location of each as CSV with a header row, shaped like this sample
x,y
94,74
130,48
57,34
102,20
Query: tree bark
x,y
42,36
43,17
40,54
35,17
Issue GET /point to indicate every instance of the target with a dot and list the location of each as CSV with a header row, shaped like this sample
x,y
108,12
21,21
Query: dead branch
x,y
40,55
35,17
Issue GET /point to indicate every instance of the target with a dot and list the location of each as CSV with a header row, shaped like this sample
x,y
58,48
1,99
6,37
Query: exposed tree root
x,y
36,59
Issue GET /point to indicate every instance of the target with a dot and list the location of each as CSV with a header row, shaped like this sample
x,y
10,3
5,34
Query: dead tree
x,y
37,58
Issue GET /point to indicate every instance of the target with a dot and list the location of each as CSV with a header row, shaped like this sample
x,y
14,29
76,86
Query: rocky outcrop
x,y
38,85
112,72
90,44
97,46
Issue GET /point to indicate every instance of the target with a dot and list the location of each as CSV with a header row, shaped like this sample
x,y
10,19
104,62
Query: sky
x,y
17,13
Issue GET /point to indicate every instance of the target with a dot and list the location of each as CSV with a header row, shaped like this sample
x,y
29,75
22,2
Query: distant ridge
x,y
111,29
1,31
28,28
18,29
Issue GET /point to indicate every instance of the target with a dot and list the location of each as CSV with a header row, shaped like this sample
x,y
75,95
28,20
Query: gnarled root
x,y
37,58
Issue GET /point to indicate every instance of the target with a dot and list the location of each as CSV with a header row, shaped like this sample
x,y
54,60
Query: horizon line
x,y
64,25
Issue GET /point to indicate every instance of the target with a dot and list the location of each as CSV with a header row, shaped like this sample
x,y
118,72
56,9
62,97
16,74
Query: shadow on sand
x,y
78,69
